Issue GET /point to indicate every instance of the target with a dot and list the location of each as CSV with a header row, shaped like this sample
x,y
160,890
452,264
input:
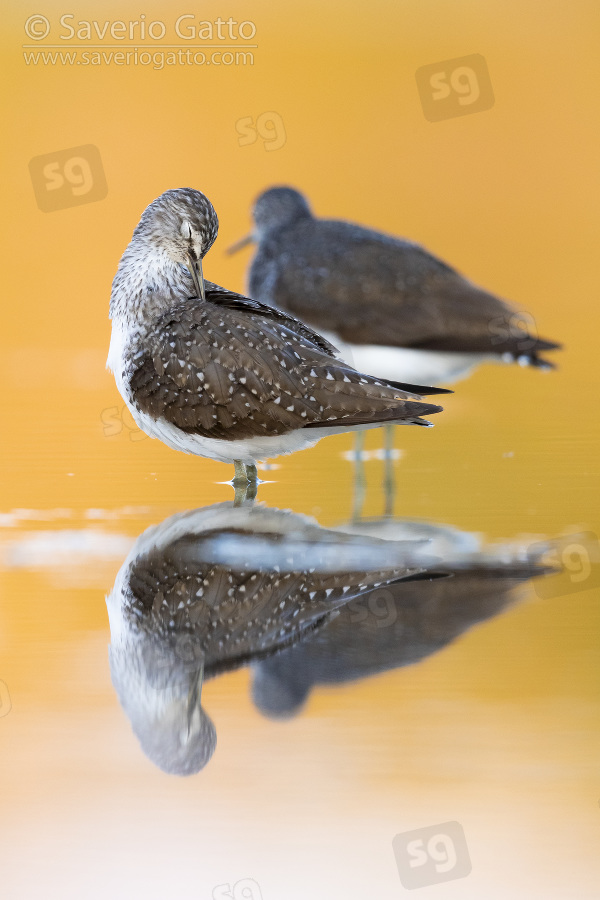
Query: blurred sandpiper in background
x,y
388,304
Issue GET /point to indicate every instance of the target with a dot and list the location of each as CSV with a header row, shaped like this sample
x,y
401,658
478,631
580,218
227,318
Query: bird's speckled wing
x,y
234,616
221,370
371,288
382,630
230,300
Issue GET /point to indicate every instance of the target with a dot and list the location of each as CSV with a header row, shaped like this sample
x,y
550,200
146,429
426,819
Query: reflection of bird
x,y
398,624
212,589
214,373
389,306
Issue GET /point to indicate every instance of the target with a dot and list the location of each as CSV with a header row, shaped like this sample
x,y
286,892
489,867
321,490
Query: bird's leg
x,y
359,476
359,446
252,487
240,482
240,494
245,482
251,491
389,481
240,476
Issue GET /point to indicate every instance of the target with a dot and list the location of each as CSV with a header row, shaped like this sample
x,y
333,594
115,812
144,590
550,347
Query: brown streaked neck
x,y
147,283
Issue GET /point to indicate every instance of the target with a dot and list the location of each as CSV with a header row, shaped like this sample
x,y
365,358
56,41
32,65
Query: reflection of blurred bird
x,y
212,589
387,304
396,625
217,374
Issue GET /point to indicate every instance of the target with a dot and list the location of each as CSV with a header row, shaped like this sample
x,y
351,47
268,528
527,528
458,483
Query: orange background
x,y
500,731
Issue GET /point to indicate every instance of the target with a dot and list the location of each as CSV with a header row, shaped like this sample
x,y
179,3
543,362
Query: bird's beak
x,y
239,245
194,694
195,267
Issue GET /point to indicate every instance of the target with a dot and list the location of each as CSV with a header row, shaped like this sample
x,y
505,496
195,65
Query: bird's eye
x,y
186,230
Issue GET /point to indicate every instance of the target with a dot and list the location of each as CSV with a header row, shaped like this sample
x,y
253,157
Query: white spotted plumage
x,y
209,374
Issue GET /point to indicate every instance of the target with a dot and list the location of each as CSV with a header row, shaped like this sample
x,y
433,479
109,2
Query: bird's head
x,y
278,207
162,701
183,224
274,209
278,692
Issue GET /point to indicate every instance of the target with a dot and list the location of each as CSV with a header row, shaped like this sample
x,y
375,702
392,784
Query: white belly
x,y
425,367
248,451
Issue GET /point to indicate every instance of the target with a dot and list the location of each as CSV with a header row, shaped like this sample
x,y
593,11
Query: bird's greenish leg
x,y
240,475
240,493
245,482
252,485
240,482
359,476
389,481
359,447
251,491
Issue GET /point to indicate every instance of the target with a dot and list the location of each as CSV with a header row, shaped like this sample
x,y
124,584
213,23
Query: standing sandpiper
x,y
393,309
214,373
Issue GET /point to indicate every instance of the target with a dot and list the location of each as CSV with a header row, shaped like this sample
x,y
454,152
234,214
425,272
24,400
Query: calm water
x,y
460,714
469,699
